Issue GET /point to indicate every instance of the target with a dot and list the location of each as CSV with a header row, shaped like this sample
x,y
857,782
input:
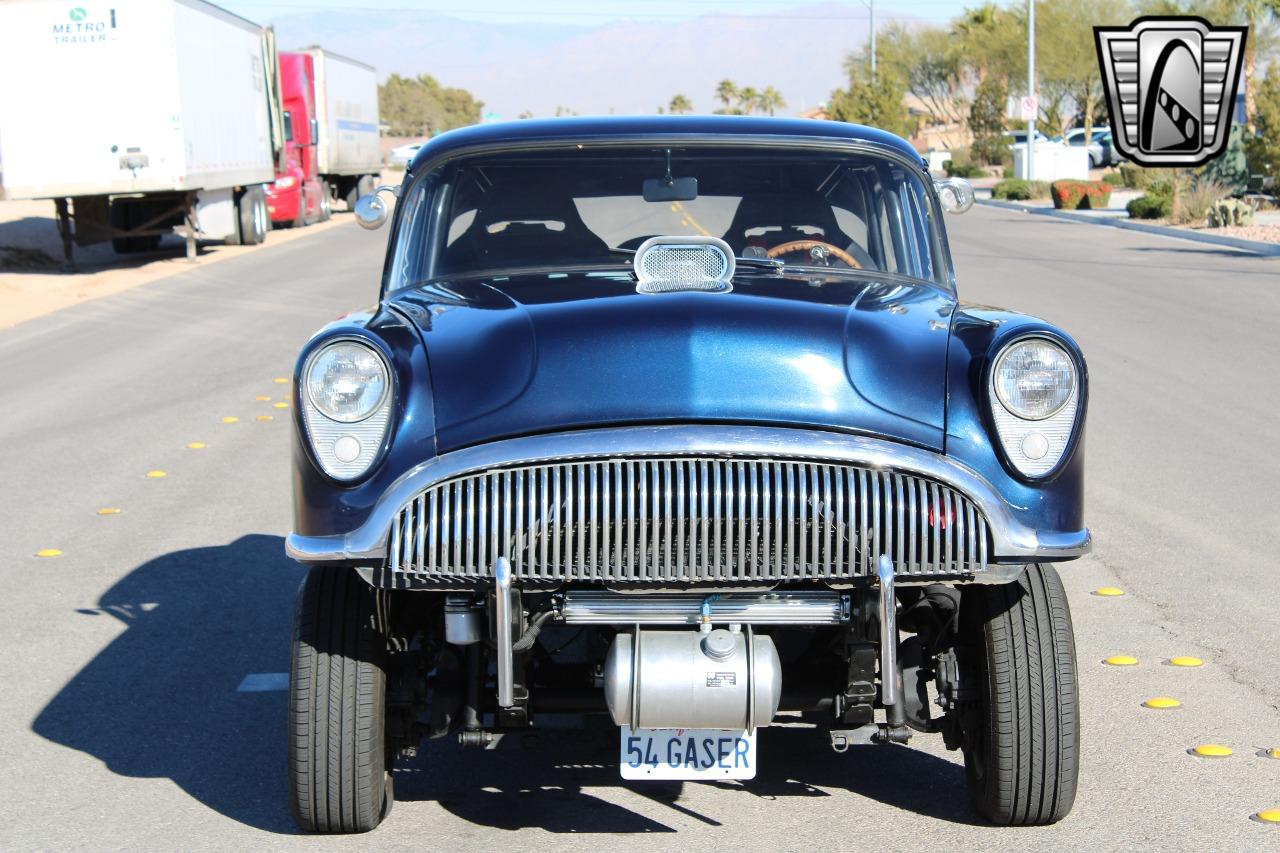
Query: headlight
x,y
346,406
1034,379
285,182
1034,394
346,381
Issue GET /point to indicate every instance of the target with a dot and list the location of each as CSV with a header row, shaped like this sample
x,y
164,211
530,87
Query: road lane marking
x,y
1185,661
1211,750
1121,660
280,405
281,380
196,445
156,474
262,398
231,419
109,510
263,682
1162,703
1108,591
265,418
48,552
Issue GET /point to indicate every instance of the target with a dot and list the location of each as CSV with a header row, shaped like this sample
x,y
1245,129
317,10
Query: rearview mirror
x,y
670,189
954,194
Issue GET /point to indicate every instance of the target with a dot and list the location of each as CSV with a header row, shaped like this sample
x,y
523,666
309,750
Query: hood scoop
x,y
675,264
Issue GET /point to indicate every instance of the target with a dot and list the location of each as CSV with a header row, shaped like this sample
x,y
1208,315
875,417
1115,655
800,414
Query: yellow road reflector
x,y
1268,816
1108,591
1185,661
280,405
281,380
264,417
262,398
1162,703
156,475
1121,660
48,552
1273,752
196,445
1211,750
231,419
109,510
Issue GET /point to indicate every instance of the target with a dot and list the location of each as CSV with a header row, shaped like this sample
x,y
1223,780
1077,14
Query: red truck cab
x,y
298,196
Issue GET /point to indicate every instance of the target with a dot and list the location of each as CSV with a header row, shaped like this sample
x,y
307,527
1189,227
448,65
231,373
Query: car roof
x,y
625,127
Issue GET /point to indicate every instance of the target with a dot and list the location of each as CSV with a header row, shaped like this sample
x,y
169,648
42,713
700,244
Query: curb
x,y
1256,246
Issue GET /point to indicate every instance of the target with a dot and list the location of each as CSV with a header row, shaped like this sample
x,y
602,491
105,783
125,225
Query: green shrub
x,y
963,170
1087,195
993,150
1114,178
1134,177
1016,189
1007,172
1150,207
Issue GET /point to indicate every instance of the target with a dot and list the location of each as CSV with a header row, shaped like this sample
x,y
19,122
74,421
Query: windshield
x,y
555,210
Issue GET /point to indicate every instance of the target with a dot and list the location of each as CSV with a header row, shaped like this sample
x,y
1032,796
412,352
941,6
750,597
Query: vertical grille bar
x,y
694,519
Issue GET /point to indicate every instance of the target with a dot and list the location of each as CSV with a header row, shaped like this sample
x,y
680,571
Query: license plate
x,y
688,754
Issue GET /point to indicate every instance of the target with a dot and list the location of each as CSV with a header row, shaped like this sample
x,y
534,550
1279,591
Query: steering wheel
x,y
809,245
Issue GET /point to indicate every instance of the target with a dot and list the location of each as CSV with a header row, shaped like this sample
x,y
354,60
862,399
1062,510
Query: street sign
x,y
1028,108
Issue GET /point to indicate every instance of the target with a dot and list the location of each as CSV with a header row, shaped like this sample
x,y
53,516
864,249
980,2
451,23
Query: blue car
x,y
680,420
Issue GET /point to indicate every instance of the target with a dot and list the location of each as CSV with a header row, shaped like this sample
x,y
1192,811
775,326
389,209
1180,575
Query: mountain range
x,y
627,66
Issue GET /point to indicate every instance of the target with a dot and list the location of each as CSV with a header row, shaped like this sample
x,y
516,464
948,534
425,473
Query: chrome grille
x,y
687,519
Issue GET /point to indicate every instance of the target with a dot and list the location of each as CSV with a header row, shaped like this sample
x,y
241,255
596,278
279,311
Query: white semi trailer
x,y
138,117
348,155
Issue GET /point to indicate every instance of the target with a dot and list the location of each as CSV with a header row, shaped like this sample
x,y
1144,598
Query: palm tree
x,y
726,91
771,100
679,105
748,100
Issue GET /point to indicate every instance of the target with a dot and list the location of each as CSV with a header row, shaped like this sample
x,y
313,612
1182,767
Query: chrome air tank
x,y
692,680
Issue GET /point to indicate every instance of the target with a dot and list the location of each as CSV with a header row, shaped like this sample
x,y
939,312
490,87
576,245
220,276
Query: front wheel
x,y
1022,724
339,760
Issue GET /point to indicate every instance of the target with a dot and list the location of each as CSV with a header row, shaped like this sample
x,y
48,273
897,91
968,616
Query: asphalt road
x,y
124,718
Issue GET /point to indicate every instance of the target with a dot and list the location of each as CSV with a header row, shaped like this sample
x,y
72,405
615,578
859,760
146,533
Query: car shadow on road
x,y
560,785
161,701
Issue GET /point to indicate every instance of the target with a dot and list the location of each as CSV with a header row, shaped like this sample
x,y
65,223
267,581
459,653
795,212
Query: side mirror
x,y
371,211
954,194
315,132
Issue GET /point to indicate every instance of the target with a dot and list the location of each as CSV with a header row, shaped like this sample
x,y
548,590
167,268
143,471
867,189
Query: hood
x,y
536,353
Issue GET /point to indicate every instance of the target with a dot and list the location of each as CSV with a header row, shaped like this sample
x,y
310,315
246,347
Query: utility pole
x,y
872,5
1031,88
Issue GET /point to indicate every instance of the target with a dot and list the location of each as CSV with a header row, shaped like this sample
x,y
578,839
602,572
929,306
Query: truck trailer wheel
x,y
1022,726
362,187
339,760
251,218
326,201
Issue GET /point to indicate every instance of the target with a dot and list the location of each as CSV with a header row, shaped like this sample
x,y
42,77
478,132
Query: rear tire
x,y
363,186
251,218
339,760
1022,731
326,202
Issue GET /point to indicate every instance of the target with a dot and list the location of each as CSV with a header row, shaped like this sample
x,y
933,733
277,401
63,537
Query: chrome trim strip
x,y
1010,537
599,607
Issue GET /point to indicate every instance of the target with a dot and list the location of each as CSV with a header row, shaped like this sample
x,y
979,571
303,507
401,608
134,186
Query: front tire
x,y
339,760
1022,729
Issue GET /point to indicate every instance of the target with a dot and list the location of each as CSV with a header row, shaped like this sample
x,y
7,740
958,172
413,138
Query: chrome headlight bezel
x,y
1036,446
346,450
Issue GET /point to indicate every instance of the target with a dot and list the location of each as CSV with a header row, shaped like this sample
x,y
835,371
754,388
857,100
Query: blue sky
x,y
591,11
